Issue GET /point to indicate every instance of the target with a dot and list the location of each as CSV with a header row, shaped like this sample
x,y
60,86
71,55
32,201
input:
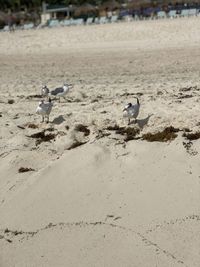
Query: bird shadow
x,y
58,120
142,122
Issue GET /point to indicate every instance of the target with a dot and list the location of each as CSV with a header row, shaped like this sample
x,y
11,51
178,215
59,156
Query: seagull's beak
x,y
124,109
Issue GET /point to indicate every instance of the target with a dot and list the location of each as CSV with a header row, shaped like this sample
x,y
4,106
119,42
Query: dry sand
x,y
110,201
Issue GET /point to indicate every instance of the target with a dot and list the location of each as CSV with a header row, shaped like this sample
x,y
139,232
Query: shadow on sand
x,y
142,122
58,120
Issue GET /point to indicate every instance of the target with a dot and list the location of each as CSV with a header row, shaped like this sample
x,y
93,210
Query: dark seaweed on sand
x,y
32,126
82,128
101,134
192,136
113,128
168,134
42,137
129,132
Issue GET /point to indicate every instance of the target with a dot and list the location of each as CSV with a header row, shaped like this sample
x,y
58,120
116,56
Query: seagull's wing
x,y
132,110
135,110
56,91
37,109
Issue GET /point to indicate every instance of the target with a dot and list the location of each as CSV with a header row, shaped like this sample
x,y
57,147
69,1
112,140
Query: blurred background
x,y
27,14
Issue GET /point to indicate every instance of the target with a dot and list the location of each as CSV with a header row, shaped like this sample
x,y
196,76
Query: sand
x,y
90,196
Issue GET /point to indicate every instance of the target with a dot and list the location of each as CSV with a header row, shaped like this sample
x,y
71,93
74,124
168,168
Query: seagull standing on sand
x,y
45,91
61,91
131,111
44,109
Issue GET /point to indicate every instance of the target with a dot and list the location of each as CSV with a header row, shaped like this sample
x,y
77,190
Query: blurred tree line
x,y
16,5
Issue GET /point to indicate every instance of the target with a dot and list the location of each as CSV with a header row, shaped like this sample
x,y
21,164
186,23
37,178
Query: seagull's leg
x,y
129,121
47,118
59,99
42,119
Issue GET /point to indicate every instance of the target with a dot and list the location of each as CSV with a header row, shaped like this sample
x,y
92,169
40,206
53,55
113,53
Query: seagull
x,y
131,111
44,109
61,91
45,91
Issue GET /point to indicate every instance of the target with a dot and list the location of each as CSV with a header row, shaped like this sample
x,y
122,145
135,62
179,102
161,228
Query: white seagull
x,y
45,91
44,109
131,111
61,91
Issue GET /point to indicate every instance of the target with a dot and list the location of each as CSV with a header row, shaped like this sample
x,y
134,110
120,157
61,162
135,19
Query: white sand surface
x,y
110,201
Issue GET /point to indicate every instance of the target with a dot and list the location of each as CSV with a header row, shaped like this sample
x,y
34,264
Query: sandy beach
x,y
87,189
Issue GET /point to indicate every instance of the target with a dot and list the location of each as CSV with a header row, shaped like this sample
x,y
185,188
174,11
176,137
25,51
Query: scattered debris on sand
x,y
182,96
11,101
132,94
188,146
28,125
67,127
50,129
21,127
25,169
189,88
34,96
